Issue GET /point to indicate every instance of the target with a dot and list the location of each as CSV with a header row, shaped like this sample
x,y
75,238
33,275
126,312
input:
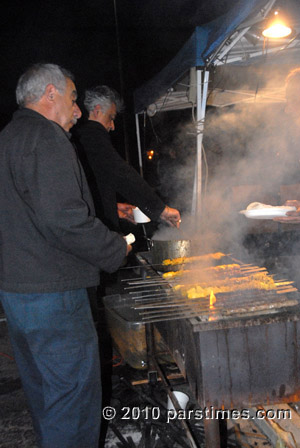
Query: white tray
x,y
268,212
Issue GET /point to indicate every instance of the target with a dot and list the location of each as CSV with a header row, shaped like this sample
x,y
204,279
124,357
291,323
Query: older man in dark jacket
x,y
52,248
107,173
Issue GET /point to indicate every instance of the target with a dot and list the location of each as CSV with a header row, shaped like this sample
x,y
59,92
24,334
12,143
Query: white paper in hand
x,y
130,238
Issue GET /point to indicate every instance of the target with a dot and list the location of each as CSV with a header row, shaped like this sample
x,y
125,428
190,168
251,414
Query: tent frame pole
x,y
202,89
138,137
218,57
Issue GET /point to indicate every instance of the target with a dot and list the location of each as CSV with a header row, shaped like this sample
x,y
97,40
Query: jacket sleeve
x,y
53,186
127,180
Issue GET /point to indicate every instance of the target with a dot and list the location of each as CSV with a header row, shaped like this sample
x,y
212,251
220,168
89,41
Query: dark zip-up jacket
x,y
108,174
50,240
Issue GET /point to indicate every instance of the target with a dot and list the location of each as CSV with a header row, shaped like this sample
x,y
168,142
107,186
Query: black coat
x,y
50,239
108,175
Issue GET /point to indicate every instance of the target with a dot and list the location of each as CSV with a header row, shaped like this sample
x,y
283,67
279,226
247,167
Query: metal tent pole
x,y
138,137
201,108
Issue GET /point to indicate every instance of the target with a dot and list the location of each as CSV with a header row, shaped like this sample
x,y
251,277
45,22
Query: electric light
x,y
150,154
277,28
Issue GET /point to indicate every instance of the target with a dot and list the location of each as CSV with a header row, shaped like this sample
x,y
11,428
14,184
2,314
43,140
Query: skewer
x,y
180,316
146,264
200,309
170,282
156,298
161,302
245,269
208,313
146,294
137,292
155,283
253,271
225,298
205,302
220,275
147,282
285,291
131,279
163,319
282,282
149,296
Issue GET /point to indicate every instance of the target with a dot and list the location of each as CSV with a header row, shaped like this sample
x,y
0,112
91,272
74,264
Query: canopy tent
x,y
220,48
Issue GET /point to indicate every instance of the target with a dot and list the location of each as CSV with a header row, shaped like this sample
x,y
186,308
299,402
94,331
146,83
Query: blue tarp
x,y
202,44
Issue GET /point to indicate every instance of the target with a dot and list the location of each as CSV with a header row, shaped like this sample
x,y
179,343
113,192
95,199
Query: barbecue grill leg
x,y
152,372
212,433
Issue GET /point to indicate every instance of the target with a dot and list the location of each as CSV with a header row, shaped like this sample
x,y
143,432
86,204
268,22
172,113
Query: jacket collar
x,y
25,112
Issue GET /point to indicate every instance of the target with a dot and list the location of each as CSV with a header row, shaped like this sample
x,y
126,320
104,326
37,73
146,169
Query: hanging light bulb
x,y
277,28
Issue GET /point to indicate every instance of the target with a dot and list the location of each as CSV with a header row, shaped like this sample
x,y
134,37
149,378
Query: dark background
x,y
121,43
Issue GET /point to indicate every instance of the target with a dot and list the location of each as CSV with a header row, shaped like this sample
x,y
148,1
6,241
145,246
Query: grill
x,y
156,300
240,352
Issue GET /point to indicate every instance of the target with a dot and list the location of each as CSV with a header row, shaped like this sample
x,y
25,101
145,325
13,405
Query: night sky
x,y
82,36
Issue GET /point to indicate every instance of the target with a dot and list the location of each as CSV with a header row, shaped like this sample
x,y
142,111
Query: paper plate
x,y
267,213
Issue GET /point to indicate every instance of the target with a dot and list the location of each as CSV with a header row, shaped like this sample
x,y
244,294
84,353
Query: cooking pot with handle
x,y
168,249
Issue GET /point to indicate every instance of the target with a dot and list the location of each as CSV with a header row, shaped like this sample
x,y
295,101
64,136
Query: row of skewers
x,y
209,292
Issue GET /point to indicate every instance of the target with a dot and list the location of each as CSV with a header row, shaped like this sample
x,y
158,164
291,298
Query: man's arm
x,y
135,189
53,176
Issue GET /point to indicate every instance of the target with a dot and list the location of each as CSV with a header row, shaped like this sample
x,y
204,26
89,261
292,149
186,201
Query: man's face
x,y
107,119
67,111
292,94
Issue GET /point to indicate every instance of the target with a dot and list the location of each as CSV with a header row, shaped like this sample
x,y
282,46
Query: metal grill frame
x,y
239,362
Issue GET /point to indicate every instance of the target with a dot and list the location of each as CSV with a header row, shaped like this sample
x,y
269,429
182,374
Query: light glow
x,y
150,154
277,27
277,30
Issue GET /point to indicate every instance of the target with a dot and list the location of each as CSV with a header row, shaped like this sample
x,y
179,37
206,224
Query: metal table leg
x,y
154,369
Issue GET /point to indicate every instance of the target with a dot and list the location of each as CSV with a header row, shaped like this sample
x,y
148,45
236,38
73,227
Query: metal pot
x,y
169,249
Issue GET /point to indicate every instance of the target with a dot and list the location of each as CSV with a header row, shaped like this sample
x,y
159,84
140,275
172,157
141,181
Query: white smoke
x,y
252,152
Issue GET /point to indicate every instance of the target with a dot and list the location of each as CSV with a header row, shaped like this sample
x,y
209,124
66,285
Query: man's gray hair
x,y
103,96
32,84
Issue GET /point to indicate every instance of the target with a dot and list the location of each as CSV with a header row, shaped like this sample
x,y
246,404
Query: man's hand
x,y
171,216
125,212
129,249
292,217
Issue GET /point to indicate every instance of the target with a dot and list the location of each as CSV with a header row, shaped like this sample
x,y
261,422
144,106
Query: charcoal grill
x,y
233,357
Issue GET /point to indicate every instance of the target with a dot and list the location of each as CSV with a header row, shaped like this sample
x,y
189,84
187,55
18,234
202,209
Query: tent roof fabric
x,y
204,41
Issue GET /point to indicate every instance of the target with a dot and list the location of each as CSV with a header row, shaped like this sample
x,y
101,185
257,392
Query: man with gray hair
x,y
52,248
107,173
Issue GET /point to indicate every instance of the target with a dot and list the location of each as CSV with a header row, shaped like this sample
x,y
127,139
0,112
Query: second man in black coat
x,y
107,172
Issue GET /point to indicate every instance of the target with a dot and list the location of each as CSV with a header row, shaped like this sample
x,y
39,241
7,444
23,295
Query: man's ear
x,y
50,92
97,111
